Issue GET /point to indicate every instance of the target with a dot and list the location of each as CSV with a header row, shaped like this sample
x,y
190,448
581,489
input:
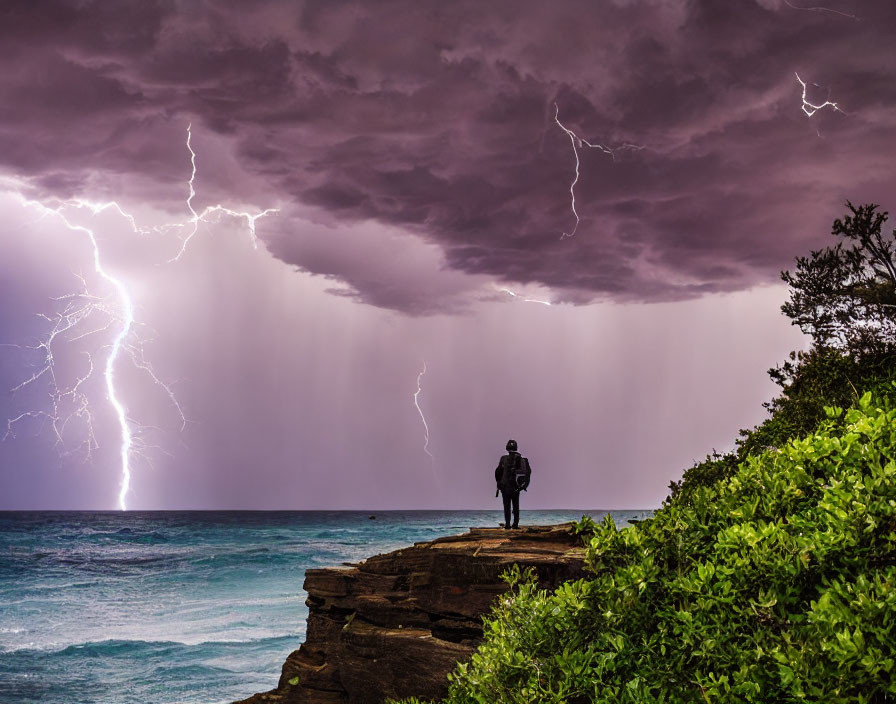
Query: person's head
x,y
511,445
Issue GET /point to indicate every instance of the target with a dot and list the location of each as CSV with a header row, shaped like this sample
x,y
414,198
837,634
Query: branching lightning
x,y
810,108
71,324
74,312
78,308
420,411
193,222
525,300
578,143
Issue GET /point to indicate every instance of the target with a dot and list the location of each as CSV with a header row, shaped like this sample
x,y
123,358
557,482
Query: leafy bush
x,y
774,584
810,382
844,298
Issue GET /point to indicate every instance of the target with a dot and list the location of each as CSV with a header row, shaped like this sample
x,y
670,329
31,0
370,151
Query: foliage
x,y
809,381
845,296
775,584
706,473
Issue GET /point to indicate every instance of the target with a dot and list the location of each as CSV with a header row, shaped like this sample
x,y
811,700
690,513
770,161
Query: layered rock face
x,y
396,624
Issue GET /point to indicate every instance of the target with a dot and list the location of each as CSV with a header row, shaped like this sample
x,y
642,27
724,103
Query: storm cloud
x,y
435,121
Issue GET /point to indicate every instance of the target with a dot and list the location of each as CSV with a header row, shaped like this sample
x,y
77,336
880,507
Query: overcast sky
x,y
422,159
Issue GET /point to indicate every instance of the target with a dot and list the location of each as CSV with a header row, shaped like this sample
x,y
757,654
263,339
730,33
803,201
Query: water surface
x,y
176,607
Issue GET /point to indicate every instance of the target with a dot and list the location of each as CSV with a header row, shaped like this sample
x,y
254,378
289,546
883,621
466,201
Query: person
x,y
512,476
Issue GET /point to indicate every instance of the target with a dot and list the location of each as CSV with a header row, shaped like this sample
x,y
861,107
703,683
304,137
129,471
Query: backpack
x,y
522,473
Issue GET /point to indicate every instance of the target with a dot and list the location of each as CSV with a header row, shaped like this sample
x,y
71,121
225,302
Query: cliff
x,y
395,625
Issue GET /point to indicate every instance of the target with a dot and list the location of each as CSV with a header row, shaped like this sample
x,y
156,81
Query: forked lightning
x,y
577,143
77,310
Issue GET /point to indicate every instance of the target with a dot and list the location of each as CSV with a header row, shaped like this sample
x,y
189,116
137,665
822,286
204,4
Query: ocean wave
x,y
188,672
116,560
32,647
141,648
124,535
95,557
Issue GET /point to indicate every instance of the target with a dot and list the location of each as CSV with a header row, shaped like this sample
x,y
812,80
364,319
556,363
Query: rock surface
x,y
395,625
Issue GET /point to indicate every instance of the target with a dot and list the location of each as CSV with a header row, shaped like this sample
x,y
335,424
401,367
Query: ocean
x,y
180,607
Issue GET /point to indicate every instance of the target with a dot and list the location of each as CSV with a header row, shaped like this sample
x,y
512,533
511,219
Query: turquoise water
x,y
180,607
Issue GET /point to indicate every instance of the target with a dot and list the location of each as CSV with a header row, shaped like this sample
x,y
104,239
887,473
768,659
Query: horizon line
x,y
297,510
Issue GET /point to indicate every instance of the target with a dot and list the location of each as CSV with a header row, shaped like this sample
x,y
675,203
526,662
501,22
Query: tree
x,y
844,296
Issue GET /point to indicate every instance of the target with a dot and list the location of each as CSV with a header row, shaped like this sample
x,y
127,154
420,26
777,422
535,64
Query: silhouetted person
x,y
512,476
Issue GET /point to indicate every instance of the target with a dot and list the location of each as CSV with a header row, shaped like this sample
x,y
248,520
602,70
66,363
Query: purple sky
x,y
412,151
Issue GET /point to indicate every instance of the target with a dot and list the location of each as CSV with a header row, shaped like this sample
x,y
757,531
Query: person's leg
x,y
516,510
505,497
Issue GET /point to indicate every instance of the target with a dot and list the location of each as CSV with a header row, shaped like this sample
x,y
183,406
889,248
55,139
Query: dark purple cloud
x,y
437,119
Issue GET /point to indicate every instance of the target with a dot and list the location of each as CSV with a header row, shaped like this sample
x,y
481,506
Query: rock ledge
x,y
396,624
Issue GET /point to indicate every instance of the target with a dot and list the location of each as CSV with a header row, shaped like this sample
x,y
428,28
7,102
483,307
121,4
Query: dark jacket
x,y
504,472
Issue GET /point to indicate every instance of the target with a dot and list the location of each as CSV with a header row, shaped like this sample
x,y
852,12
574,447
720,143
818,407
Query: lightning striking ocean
x,y
185,607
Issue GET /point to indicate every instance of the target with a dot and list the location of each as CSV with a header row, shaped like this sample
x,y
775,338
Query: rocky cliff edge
x,y
396,624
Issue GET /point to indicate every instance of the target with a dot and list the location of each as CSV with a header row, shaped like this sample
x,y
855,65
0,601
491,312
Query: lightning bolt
x,y
78,307
525,300
420,411
193,222
821,9
579,143
809,108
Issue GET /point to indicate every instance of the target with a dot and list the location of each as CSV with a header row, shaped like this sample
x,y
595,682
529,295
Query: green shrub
x,y
810,382
774,584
